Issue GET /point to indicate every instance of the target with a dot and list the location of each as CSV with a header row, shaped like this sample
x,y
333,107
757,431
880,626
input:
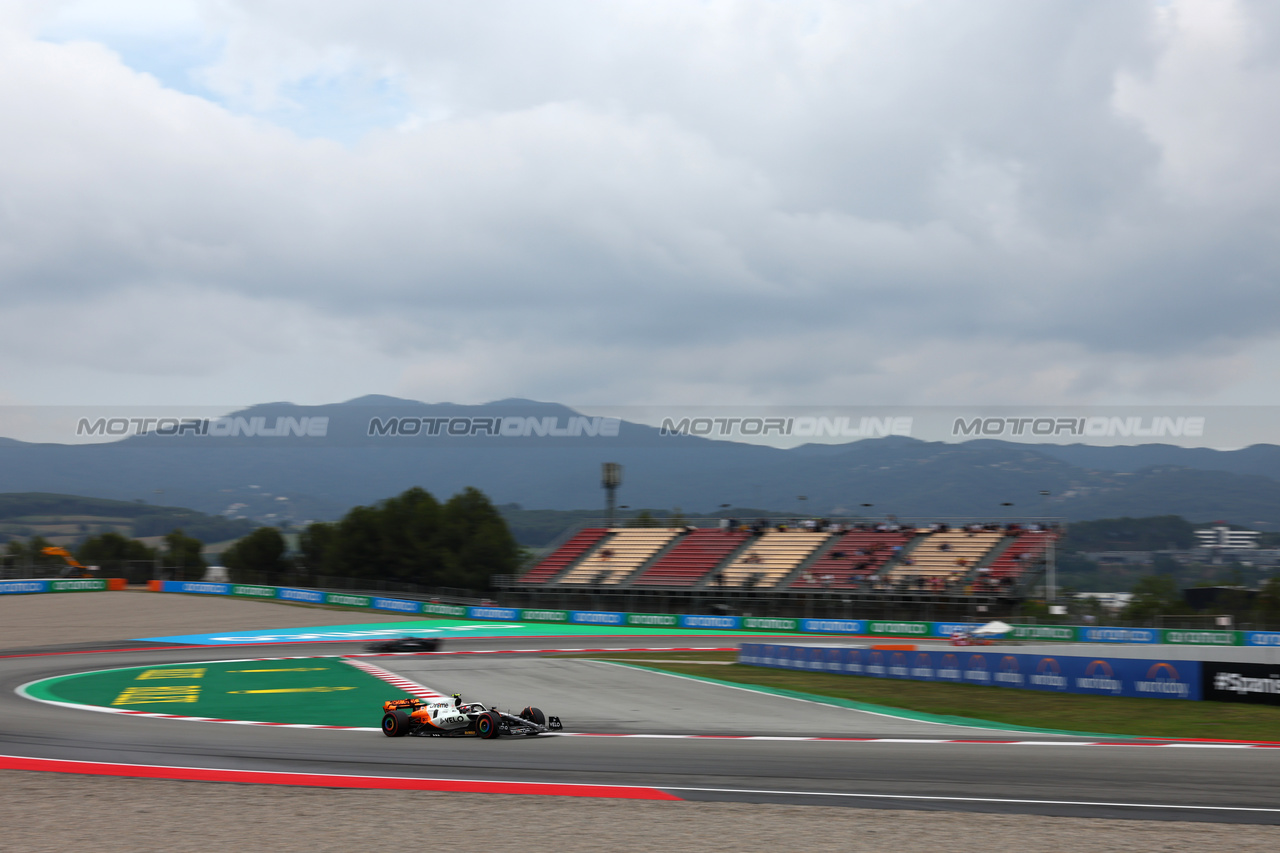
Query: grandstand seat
x,y
694,556
555,562
1025,551
628,549
945,555
855,556
770,559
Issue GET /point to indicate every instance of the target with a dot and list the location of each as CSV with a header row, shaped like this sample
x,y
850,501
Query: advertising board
x,y
1256,683
1110,676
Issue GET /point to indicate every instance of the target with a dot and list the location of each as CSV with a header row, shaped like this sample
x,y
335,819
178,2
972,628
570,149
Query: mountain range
x,y
293,478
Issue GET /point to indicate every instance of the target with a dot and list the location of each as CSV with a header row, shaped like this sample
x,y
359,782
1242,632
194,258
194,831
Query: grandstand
x,y
1025,551
625,551
564,556
854,557
694,557
945,554
770,559
864,571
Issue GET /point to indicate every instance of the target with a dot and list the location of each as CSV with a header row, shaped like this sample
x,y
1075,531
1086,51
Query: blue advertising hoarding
x,y
721,623
1262,638
596,617
1109,676
23,586
1118,635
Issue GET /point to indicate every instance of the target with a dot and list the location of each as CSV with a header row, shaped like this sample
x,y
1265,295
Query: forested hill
x,y
27,514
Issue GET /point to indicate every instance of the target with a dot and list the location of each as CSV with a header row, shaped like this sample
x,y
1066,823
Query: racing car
x,y
455,718
406,644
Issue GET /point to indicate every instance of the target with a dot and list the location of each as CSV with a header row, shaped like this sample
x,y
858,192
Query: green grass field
x,y
1162,718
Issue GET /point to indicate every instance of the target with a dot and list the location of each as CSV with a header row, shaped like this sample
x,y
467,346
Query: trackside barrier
x,y
861,627
1179,637
1110,676
1261,638
26,587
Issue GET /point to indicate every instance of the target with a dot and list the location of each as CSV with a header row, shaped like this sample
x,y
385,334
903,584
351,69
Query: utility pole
x,y
1050,568
610,478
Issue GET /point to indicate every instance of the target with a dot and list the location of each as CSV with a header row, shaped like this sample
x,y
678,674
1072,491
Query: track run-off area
x,y
299,708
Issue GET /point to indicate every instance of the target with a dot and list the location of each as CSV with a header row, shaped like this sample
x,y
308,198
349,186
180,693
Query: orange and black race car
x,y
455,718
406,644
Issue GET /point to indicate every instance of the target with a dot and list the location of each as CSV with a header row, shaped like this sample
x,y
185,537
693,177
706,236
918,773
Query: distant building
x,y
1108,600
1222,538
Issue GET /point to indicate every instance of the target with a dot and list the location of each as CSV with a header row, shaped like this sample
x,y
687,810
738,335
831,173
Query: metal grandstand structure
x,y
830,568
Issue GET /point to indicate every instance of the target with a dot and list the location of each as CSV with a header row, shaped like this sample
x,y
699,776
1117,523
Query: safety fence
x,y
852,627
1095,676
35,585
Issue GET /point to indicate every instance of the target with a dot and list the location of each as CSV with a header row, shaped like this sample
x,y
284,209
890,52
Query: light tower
x,y
610,478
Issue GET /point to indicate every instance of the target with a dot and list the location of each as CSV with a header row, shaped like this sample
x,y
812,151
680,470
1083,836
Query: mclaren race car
x,y
406,644
455,718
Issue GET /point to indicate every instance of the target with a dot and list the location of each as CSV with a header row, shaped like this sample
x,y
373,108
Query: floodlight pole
x,y
610,478
1050,568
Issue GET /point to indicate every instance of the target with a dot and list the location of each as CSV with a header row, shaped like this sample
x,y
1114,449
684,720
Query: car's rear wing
x,y
393,704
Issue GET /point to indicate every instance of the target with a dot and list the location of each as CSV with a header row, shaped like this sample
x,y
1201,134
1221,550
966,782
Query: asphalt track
x,y
1037,775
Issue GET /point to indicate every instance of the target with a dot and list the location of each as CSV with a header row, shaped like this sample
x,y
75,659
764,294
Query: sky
x,y
956,202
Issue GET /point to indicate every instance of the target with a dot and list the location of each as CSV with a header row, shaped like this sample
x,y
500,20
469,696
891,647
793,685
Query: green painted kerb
x,y
311,691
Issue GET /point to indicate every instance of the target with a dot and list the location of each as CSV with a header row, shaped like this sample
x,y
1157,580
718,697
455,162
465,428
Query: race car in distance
x,y
406,644
445,718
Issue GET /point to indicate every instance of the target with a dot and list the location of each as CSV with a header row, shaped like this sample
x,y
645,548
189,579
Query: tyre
x,y
534,715
487,726
395,724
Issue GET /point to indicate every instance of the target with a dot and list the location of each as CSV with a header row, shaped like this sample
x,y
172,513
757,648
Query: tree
x,y
643,519
30,555
261,552
314,546
112,551
1268,602
475,540
411,538
183,552
1155,595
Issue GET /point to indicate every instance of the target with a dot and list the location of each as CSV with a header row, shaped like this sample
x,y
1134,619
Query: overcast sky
x,y
646,202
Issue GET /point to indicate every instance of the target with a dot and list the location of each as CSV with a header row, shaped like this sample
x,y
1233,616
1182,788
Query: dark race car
x,y
444,718
406,644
